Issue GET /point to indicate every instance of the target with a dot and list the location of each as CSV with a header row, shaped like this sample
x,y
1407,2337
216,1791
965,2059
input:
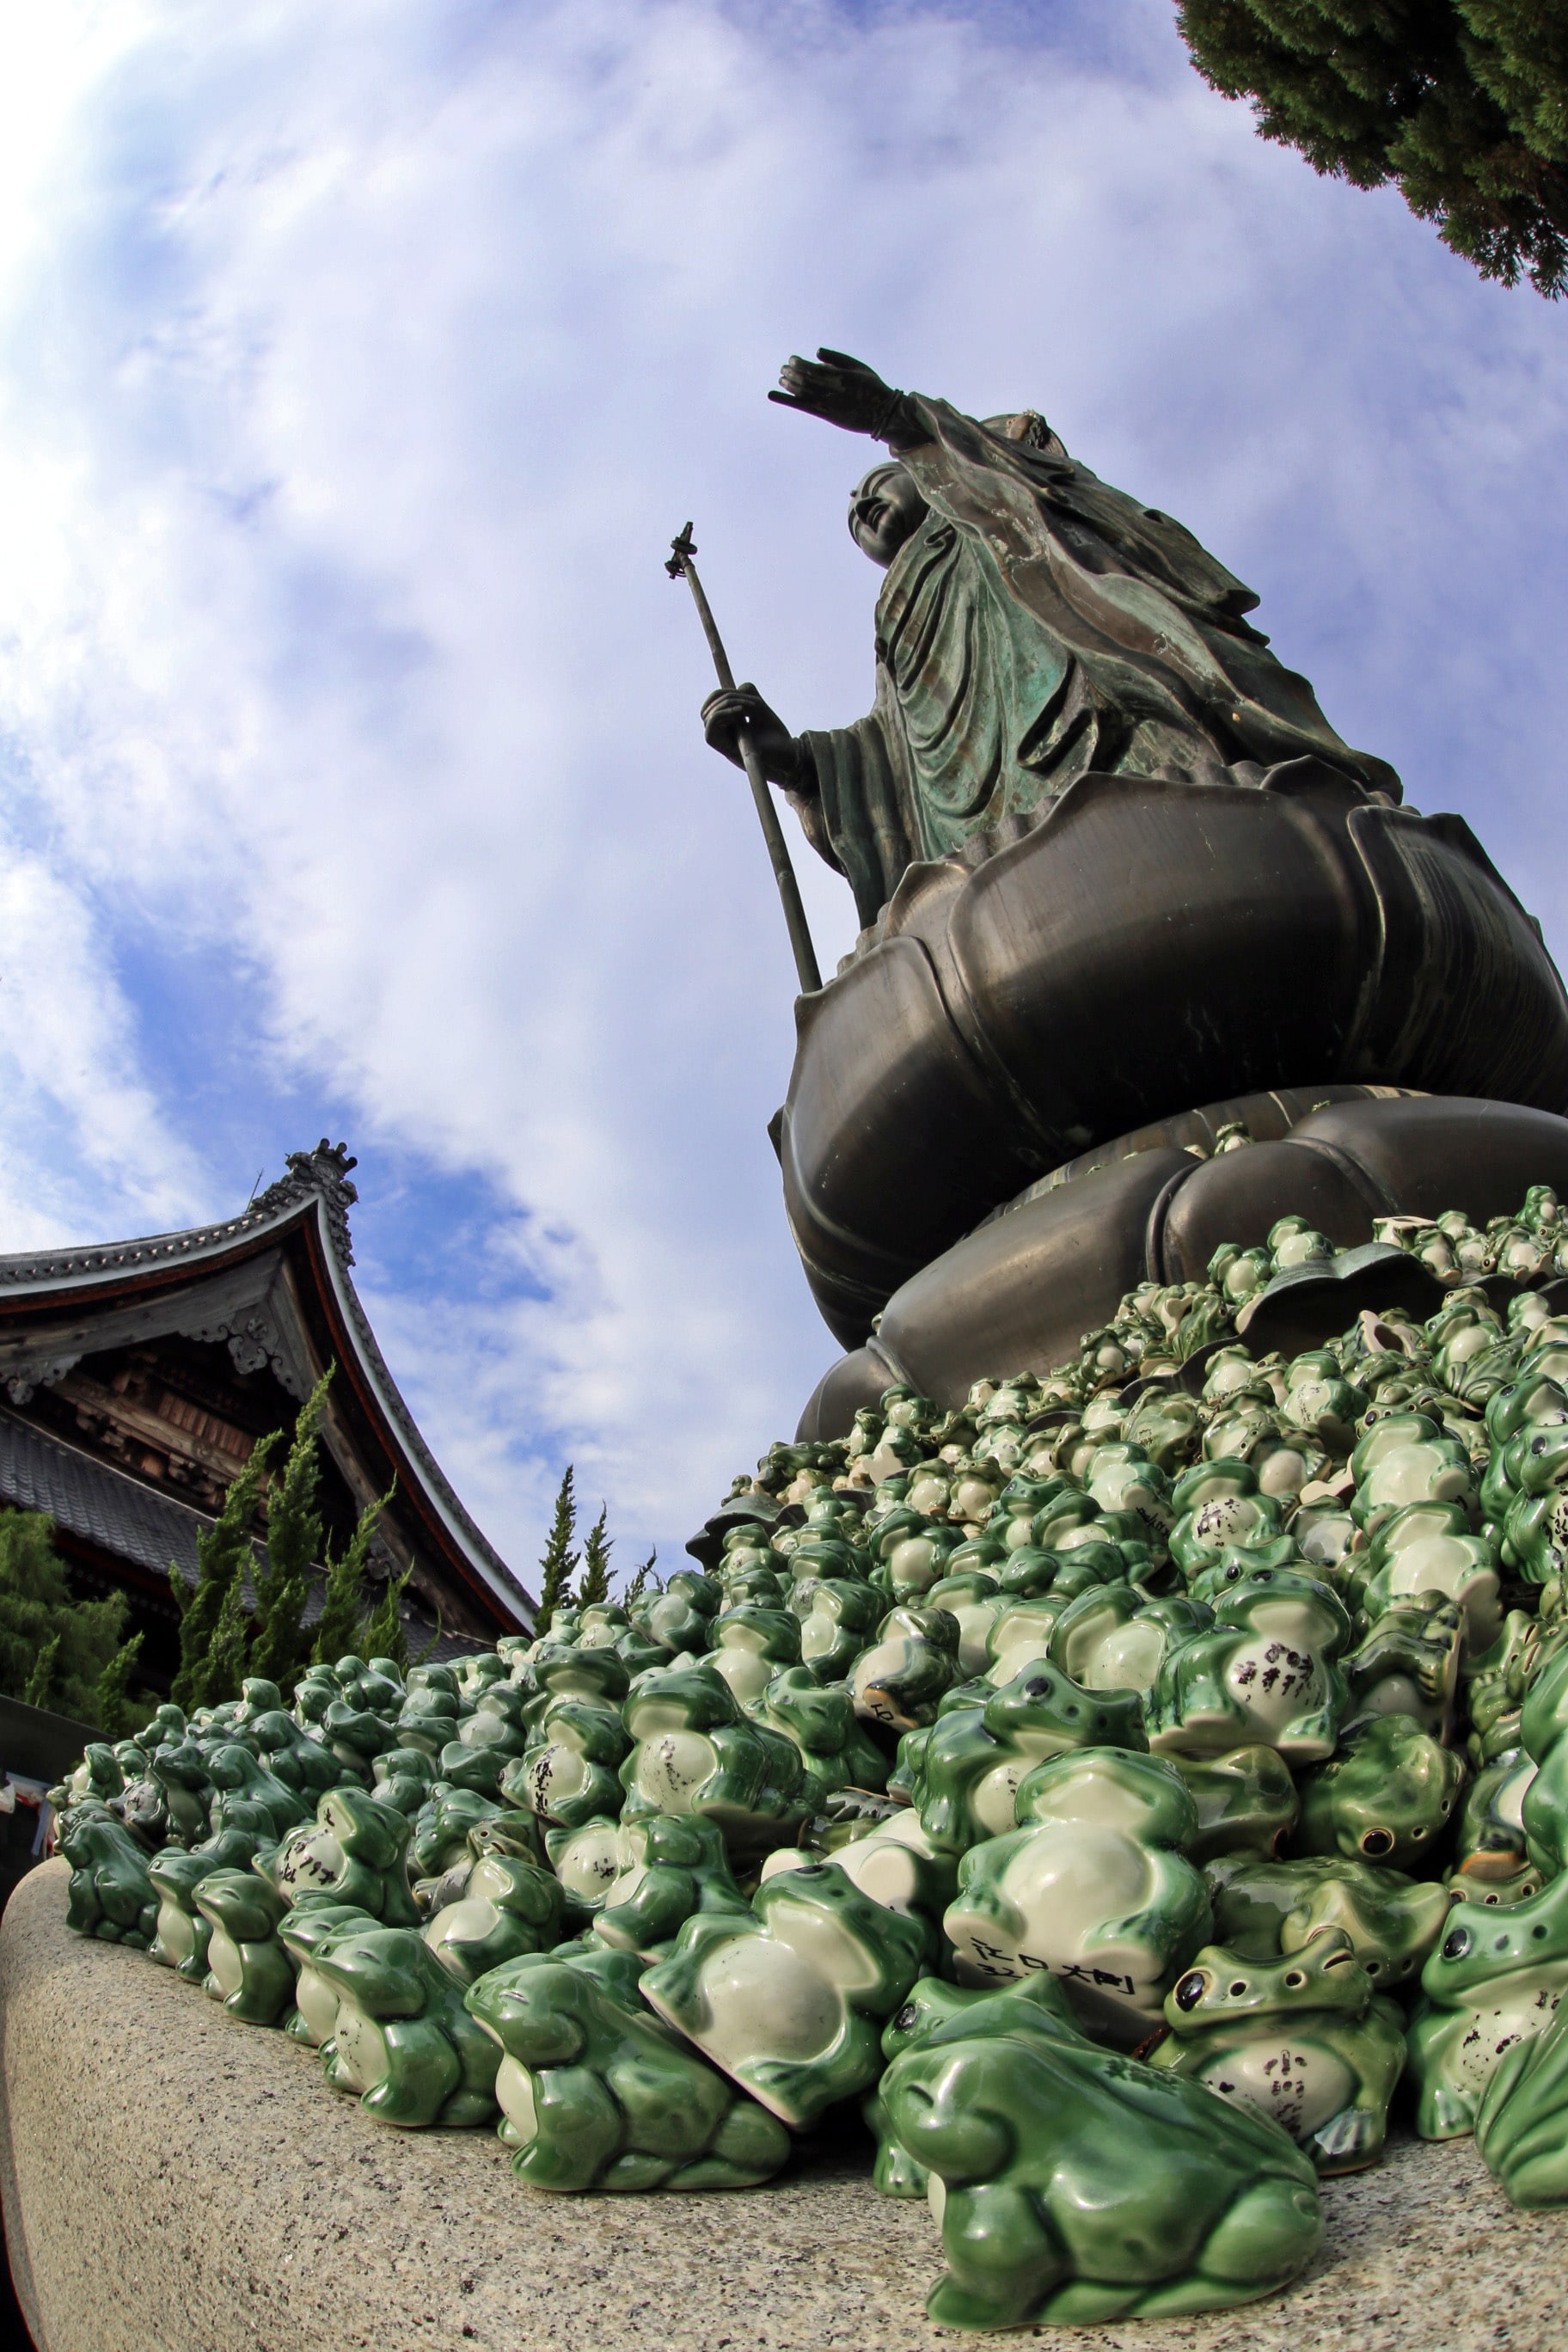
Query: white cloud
x,y
355,369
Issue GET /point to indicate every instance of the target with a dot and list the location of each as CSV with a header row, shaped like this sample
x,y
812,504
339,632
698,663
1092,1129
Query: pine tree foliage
x,y
115,1712
559,1561
596,1549
53,1650
641,1581
1463,104
224,1557
384,1634
339,1625
279,1645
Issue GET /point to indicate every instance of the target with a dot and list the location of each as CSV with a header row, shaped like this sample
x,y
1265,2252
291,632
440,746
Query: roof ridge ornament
x,y
323,1174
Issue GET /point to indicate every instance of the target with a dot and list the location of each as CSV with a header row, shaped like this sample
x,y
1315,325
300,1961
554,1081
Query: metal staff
x,y
680,565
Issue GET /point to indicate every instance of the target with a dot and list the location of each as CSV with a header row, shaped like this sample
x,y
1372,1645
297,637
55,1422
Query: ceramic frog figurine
x,y
1492,1858
914,1551
836,1751
790,2001
1407,1663
695,1752
900,1678
974,1757
304,1930
493,1735
1427,1548
1302,2040
1544,1736
246,1796
932,2005
838,1616
404,1777
1114,1637
1219,1508
1093,1887
568,1774
1521,2125
1265,1673
403,2042
248,1968
1406,1458
597,2094
292,1757
672,1868
681,1617
1263,1909
1074,2185
508,1906
1495,1979
586,1861
1245,1799
354,1851
440,1829
1389,1797
750,1644
181,1942
109,1896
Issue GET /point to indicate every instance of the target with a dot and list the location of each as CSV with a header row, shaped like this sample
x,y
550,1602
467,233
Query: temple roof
x,y
273,1287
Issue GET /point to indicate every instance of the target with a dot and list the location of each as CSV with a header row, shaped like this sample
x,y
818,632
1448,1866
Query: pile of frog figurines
x,y
1110,1791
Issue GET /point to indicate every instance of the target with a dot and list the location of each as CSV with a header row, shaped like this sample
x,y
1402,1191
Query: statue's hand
x,y
724,714
844,392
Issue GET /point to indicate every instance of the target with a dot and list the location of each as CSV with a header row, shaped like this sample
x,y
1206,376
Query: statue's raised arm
x,y
1035,626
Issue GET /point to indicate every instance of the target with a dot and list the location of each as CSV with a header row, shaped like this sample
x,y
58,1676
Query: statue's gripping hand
x,y
847,392
731,708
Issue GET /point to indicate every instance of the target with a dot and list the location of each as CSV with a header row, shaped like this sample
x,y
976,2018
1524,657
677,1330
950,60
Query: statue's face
x,y
883,512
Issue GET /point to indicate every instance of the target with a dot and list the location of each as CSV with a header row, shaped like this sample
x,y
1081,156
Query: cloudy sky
x,y
356,366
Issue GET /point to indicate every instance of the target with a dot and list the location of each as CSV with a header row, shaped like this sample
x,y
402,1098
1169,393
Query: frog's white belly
x,y
669,1768
225,1962
1513,2011
317,2002
1299,2084
176,1934
361,2048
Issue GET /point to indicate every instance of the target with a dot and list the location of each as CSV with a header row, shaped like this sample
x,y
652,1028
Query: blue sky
x,y
356,367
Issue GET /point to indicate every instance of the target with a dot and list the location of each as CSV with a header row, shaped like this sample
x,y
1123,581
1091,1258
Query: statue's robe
x,y
1036,626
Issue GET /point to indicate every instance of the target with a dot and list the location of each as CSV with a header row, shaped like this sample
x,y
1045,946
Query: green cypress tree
x,y
559,1563
1463,104
115,1712
596,1549
384,1634
223,1557
225,1667
279,1644
40,1682
52,1649
340,1623
641,1580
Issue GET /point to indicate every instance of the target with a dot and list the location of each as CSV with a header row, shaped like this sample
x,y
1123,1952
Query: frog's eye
x,y
908,2015
1238,1987
1458,1945
1191,1989
1377,1843
1296,1979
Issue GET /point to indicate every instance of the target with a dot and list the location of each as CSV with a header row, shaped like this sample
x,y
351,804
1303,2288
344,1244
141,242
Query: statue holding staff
x,y
1035,625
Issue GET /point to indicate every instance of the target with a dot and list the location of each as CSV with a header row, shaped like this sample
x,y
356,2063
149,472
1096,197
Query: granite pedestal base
x,y
175,2181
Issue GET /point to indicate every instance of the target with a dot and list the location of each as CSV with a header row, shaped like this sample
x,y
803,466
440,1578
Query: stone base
x,y
175,2182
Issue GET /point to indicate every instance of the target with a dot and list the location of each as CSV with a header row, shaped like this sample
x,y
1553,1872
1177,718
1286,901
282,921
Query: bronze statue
x,y
1035,625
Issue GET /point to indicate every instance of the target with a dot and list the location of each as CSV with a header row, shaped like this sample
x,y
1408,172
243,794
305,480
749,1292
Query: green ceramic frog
x,y
1407,1663
248,1968
1492,1858
308,1928
974,1757
493,1736
354,1851
181,1942
1427,1548
1074,2185
1544,1736
1302,2040
586,1861
679,1619
1114,1637
246,1796
1265,1673
109,1896
836,1751
1221,1509
1388,1798
790,2001
568,1774
403,1779
1406,1458
508,1906
1522,2124
837,1621
695,1752
914,1550
1495,1981
179,1770
292,1757
1245,1801
750,1645
596,2094
402,2040
900,1678
1265,1908
1093,1887
440,1829
672,1866
934,2004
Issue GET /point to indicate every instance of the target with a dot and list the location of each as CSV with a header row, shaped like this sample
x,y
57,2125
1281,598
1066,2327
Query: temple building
x,y
136,1377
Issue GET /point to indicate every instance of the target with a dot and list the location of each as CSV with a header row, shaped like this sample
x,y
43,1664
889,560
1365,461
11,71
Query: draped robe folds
x,y
1038,625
